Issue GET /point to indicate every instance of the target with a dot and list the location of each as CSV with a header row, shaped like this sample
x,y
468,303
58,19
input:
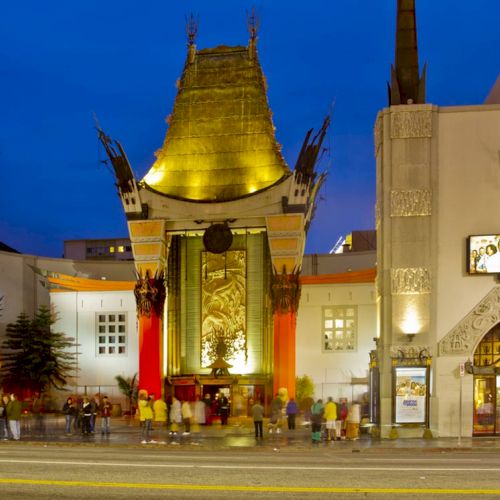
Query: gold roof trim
x,y
220,144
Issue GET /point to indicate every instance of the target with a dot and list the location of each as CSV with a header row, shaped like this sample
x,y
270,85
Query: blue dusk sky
x,y
62,61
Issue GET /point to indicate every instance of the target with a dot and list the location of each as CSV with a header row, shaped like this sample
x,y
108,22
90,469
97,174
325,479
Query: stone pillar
x,y
406,232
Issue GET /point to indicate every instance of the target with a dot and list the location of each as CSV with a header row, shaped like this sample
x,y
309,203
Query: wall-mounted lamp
x,y
410,336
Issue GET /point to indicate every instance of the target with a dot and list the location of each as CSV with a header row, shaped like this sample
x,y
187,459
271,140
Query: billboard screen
x,y
483,254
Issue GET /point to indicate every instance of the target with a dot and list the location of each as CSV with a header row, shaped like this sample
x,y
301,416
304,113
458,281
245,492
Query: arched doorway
x,y
487,384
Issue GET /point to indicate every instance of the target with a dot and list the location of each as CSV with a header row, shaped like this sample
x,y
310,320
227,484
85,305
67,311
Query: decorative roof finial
x,y
407,86
253,23
253,26
191,28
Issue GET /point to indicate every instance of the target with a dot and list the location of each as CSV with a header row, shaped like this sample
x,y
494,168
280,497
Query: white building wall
x,y
333,372
469,203
77,313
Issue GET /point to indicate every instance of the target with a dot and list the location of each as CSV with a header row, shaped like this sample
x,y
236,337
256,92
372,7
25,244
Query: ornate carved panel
x,y
223,307
412,280
150,294
407,124
286,292
464,337
415,202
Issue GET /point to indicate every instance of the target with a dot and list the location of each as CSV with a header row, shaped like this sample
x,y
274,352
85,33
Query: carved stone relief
x,y
416,202
464,337
406,124
412,280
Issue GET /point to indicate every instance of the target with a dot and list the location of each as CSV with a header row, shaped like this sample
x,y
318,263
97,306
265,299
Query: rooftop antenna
x,y
191,28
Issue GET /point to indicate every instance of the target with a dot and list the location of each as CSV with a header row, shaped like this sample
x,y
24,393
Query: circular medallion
x,y
217,238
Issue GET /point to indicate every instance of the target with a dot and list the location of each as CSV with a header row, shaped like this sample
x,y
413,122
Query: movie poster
x,y
410,395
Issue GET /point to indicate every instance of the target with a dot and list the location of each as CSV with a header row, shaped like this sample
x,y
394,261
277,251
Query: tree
x,y
304,387
35,358
128,387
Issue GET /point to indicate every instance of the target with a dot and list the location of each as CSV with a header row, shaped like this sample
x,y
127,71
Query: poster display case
x,y
411,395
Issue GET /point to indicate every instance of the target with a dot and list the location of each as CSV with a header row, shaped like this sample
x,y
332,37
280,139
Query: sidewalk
x,y
239,434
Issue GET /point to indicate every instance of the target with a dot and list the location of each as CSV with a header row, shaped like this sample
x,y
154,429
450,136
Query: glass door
x,y
485,397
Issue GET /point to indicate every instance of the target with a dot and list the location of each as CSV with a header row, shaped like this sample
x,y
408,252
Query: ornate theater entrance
x,y
487,384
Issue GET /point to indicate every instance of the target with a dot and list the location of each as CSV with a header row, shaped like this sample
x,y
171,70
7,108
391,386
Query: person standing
x,y
353,421
160,416
146,418
86,416
187,415
291,412
343,418
175,415
95,404
14,408
223,409
69,410
258,417
317,410
4,432
105,410
276,406
331,418
199,412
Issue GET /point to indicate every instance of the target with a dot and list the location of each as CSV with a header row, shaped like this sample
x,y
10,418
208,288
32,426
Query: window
x,y
339,328
107,340
121,248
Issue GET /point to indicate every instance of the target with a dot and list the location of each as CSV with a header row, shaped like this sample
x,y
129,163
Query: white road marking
x,y
248,467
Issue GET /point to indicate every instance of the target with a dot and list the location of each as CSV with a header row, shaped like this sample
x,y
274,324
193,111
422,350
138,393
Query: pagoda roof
x,y
220,144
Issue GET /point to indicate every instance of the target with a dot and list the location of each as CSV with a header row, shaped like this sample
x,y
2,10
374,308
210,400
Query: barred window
x,y
339,328
107,342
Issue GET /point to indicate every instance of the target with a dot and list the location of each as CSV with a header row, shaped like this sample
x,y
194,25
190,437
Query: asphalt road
x,y
52,471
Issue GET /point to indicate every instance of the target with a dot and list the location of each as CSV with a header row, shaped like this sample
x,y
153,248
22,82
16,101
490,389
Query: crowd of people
x,y
159,418
178,415
331,421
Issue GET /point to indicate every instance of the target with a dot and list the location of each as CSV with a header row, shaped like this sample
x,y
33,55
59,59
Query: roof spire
x,y
253,23
191,31
406,86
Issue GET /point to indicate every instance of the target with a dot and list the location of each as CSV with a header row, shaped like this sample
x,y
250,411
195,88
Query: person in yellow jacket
x,y
330,417
146,418
160,416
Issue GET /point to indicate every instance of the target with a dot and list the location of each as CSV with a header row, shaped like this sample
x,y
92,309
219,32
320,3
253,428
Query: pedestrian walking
x,y
199,411
343,418
258,418
105,410
14,409
291,412
353,421
37,410
317,411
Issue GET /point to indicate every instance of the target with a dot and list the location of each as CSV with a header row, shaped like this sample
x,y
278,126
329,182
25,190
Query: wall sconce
x,y
410,336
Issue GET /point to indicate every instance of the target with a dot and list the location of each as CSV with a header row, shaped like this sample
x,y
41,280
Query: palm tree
x,y
128,387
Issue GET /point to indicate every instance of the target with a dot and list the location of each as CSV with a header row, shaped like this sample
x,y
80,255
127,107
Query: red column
x,y
150,354
284,351
286,295
150,298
